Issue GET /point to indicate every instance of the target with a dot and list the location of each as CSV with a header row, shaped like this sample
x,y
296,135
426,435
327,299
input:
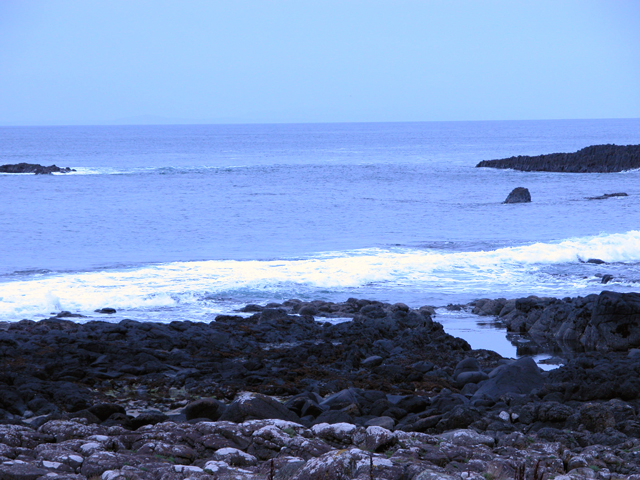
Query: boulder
x,y
521,376
209,408
106,310
518,195
255,406
468,371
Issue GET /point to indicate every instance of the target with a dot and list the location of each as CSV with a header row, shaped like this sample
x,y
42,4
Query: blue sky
x,y
137,61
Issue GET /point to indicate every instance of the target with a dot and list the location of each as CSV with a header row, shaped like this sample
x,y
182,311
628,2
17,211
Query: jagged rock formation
x,y
606,322
593,159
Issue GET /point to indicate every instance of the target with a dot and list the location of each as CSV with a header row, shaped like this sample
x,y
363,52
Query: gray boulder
x,y
518,195
522,376
255,406
469,371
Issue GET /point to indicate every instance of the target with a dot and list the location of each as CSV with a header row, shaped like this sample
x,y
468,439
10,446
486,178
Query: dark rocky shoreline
x,y
280,394
593,159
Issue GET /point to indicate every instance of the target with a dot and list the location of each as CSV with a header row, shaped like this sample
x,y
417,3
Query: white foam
x,y
196,286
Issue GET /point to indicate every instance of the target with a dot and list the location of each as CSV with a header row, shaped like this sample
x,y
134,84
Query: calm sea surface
x,y
185,222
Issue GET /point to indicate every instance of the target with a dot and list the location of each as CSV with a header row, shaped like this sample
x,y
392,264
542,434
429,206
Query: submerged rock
x,y
608,195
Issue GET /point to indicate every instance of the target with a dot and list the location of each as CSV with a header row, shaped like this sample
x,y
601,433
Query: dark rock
x,y
465,378
608,195
518,195
86,415
460,416
332,417
606,322
255,406
596,158
66,314
521,376
106,310
148,418
209,408
33,168
372,361
454,308
251,308
341,399
595,261
597,417
104,410
487,306
469,371
118,419
21,472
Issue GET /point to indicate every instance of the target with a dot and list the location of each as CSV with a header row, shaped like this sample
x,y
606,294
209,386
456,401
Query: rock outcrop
x,y
518,195
33,168
596,158
606,322
608,195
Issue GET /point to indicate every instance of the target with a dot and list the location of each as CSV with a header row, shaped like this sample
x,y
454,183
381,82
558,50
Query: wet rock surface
x,y
275,395
518,195
605,322
33,168
596,158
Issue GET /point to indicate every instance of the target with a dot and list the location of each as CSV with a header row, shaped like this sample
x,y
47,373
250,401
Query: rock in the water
x,y
106,310
33,168
596,158
519,195
595,261
608,195
606,278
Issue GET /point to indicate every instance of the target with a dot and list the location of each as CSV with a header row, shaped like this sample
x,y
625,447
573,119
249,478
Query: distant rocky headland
x,y
593,159
33,168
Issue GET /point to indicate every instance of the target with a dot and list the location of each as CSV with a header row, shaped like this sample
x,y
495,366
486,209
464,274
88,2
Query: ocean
x,y
184,222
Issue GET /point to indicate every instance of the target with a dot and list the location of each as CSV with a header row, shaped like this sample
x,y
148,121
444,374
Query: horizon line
x,y
231,122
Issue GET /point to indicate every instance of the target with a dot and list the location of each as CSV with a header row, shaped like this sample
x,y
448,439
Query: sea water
x,y
185,222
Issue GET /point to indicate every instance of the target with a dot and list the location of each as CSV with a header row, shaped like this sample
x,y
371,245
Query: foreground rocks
x,y
280,394
272,449
596,158
33,168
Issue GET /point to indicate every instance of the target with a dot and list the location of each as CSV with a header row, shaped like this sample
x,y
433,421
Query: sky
x,y
241,61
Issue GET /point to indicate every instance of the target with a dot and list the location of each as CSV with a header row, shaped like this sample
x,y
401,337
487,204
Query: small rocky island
x,y
593,159
33,168
279,392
